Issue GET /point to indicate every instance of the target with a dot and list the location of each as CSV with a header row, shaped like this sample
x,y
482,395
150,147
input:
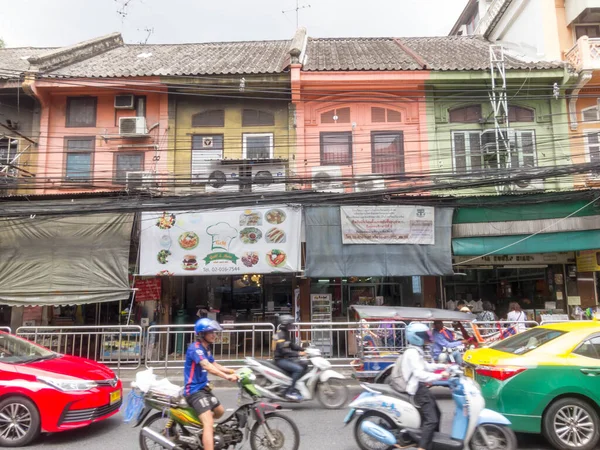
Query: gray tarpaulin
x,y
326,256
64,260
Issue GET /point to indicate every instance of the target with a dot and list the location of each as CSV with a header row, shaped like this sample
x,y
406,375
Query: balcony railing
x,y
585,54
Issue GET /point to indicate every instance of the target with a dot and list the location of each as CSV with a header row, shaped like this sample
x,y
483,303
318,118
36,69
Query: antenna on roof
x,y
122,11
297,9
150,32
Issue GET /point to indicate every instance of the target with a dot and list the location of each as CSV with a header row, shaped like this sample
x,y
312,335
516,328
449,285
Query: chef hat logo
x,y
222,234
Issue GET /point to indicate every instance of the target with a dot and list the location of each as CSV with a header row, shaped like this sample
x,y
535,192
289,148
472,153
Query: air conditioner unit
x,y
268,178
124,102
139,180
369,184
527,185
132,126
488,140
223,179
327,179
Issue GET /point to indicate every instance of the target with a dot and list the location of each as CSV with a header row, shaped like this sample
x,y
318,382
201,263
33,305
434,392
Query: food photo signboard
x,y
389,224
230,241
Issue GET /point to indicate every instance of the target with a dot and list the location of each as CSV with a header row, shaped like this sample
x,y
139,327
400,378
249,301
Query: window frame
x,y
258,110
589,108
92,154
245,137
335,113
401,156
208,126
471,105
324,134
588,157
141,154
68,112
589,338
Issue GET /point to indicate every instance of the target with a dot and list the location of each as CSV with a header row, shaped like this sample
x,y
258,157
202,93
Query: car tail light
x,y
499,373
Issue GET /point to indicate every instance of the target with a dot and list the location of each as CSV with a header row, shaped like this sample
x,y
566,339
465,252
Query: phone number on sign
x,y
221,269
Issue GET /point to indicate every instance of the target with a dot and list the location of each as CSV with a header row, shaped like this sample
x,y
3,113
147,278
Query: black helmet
x,y
286,321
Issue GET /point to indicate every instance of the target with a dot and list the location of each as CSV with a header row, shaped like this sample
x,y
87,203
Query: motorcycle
x,y
320,381
176,425
390,419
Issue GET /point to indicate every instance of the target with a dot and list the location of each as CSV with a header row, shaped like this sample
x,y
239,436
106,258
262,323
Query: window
x,y
338,115
127,162
258,146
382,115
592,144
387,152
465,114
81,111
519,114
336,149
589,348
591,31
79,153
528,340
212,118
205,150
590,114
469,157
8,149
257,118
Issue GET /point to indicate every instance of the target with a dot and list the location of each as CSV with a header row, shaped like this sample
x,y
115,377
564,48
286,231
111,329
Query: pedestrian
x,y
460,305
516,316
487,315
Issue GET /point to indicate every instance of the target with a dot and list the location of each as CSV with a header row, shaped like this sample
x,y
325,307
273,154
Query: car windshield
x,y
527,341
14,350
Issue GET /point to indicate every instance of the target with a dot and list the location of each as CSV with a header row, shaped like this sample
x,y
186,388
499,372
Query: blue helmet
x,y
418,334
206,325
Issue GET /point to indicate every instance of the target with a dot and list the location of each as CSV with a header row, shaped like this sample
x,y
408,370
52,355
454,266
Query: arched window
x,y
338,115
257,118
465,114
383,115
211,118
520,114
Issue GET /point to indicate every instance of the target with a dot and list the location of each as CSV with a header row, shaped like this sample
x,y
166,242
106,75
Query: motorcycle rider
x,y
199,362
286,354
419,374
445,338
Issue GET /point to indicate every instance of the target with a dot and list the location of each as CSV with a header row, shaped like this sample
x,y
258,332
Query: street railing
x,y
491,331
118,346
166,345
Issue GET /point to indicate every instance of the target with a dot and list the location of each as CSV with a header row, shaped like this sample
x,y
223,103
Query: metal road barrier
x,y
118,347
166,344
491,331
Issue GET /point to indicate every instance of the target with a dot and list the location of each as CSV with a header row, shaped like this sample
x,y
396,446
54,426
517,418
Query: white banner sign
x,y
516,260
387,225
230,241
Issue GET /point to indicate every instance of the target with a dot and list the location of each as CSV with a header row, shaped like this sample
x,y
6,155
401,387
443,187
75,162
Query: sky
x,y
49,23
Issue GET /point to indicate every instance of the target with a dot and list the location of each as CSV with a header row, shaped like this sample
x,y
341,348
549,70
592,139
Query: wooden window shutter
x,y
212,118
394,116
460,152
377,115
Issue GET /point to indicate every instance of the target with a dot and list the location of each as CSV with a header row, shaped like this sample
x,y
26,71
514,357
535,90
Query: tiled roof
x,y
13,61
413,53
222,58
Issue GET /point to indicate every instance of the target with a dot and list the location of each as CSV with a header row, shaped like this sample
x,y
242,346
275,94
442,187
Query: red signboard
x,y
147,289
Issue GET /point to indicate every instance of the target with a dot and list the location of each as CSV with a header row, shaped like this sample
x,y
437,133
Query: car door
x,y
588,362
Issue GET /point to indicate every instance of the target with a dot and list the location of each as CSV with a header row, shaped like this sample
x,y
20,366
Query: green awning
x,y
540,243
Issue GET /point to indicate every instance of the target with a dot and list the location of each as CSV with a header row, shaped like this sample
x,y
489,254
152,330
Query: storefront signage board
x,y
147,289
588,261
389,224
515,260
225,242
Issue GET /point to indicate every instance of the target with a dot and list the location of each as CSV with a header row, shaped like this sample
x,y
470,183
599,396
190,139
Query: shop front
x,y
237,266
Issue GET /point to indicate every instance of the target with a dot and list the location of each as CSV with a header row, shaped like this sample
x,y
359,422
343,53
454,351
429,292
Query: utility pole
x,y
297,9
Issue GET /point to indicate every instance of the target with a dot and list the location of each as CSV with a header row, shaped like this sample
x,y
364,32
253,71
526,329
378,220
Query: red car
x,y
44,391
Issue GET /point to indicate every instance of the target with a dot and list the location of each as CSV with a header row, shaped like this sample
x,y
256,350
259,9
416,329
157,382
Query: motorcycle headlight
x,y
68,385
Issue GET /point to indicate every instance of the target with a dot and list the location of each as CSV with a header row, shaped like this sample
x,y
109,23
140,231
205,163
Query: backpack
x,y
398,382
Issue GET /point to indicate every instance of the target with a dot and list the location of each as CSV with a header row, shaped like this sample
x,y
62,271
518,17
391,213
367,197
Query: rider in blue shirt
x,y
199,362
445,338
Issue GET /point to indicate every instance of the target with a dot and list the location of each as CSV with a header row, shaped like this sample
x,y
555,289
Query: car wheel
x,y
19,422
571,423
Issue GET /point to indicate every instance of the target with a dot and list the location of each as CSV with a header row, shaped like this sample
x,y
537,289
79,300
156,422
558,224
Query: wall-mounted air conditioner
x,y
369,183
268,178
327,179
221,178
139,180
132,126
124,102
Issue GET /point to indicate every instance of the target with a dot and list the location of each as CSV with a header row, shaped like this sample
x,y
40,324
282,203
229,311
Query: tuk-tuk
x,y
380,335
